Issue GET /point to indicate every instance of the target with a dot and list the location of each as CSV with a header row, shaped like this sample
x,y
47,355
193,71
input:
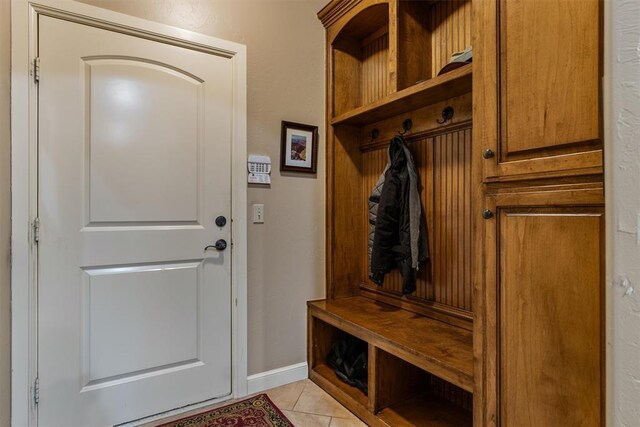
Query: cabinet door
x,y
544,314
537,92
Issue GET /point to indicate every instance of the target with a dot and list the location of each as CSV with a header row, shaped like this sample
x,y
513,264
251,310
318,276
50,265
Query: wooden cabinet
x,y
538,97
544,306
539,270
506,326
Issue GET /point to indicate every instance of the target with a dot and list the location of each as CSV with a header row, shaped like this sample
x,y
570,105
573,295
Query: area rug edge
x,y
222,407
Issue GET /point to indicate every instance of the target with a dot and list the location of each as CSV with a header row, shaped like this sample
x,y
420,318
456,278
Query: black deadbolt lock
x,y
221,221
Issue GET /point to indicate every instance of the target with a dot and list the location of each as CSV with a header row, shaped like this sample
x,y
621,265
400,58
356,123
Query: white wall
x,y
623,211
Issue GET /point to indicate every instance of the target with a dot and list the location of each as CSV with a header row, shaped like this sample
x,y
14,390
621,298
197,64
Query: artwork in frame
x,y
299,148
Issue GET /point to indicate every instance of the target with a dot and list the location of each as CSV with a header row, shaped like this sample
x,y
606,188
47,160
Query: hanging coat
x,y
397,234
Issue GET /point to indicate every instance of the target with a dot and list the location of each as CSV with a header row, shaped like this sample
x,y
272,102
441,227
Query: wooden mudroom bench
x,y
405,350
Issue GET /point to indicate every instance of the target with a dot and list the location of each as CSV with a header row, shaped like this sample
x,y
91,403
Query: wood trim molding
x,y
335,10
418,136
570,195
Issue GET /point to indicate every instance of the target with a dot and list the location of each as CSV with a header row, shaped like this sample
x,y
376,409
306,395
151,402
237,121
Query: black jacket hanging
x,y
397,234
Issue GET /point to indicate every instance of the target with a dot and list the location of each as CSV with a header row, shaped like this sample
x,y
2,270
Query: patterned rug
x,y
257,411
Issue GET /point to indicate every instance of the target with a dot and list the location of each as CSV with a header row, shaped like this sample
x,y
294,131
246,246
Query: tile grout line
x,y
285,385
314,415
331,417
328,416
320,415
300,395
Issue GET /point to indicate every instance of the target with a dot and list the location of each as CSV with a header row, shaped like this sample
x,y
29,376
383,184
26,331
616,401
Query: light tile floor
x,y
307,405
303,403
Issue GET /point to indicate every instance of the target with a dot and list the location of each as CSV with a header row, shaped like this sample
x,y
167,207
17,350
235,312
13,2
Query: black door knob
x,y
221,221
220,245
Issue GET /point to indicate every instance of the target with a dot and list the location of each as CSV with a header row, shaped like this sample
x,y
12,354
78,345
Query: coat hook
x,y
447,114
374,134
406,126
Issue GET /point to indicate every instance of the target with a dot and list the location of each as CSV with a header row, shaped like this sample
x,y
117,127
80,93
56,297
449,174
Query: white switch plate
x,y
258,214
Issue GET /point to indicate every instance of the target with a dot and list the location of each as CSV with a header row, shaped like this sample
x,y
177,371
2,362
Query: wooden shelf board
x,y
439,88
437,347
327,372
427,410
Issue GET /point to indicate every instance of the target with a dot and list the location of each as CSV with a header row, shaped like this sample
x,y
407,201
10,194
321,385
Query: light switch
x,y
258,214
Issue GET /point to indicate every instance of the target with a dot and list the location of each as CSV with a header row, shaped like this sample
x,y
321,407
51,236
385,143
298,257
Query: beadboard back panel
x,y
375,75
444,165
450,23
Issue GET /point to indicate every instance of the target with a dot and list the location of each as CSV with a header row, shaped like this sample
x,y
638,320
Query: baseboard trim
x,y
277,377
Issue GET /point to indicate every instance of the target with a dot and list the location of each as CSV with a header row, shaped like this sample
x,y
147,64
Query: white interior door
x,y
134,317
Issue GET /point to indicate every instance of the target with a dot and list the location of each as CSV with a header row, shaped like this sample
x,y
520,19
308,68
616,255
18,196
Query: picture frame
x,y
298,148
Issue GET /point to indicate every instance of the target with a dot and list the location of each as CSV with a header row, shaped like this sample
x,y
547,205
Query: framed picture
x,y
299,148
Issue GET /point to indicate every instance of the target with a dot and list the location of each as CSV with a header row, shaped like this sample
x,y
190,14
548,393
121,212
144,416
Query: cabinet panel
x,y
550,324
544,308
549,72
538,64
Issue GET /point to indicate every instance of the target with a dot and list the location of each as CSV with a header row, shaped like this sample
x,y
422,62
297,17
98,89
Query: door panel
x,y
157,339
136,135
134,317
539,104
545,315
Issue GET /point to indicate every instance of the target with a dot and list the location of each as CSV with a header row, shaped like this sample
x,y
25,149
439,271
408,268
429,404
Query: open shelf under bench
x,y
434,346
326,373
425,410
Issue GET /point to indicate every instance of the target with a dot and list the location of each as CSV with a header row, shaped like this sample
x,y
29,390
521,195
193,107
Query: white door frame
x,y
24,163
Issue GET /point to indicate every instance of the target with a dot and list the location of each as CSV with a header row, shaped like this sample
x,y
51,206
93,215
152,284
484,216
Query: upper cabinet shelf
x,y
449,85
361,59
385,56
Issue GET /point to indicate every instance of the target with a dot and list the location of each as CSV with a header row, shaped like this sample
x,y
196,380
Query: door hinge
x,y
36,70
36,230
36,391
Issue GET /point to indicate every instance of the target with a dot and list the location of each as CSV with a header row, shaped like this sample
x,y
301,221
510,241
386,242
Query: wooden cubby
x,y
361,59
326,335
408,396
383,59
429,32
